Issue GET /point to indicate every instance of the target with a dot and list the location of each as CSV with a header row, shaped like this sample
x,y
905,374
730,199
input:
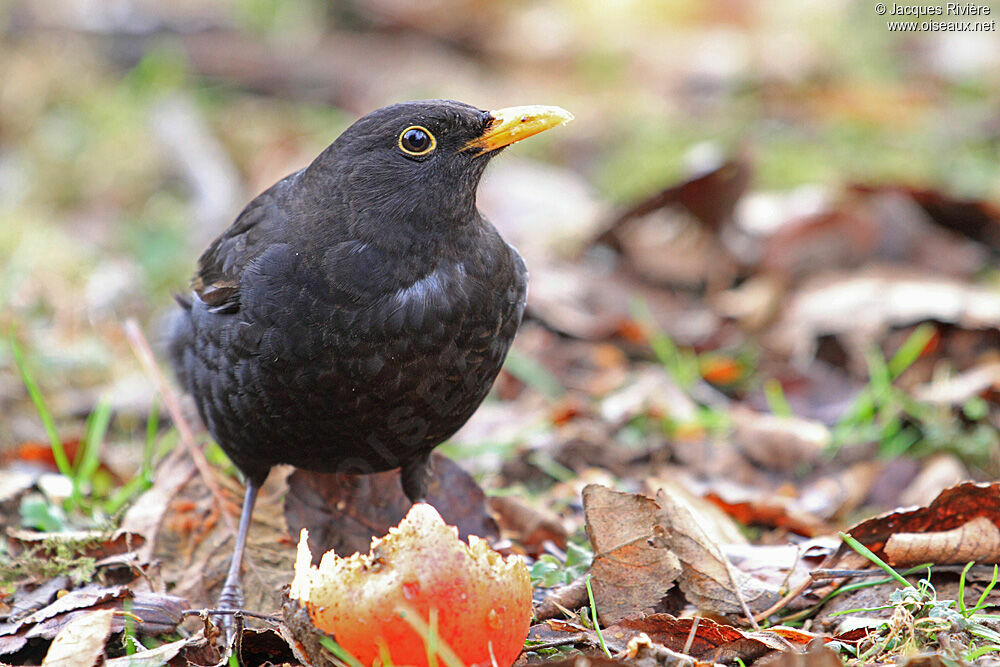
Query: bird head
x,y
420,162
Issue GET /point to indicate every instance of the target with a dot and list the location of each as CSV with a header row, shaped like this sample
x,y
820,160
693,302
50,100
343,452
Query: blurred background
x,y
132,132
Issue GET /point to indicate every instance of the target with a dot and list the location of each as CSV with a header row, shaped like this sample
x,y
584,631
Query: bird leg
x,y
415,477
232,593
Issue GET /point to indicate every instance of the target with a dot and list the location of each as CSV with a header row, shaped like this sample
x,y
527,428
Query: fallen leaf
x,y
938,473
194,543
145,515
769,512
818,655
860,306
569,597
88,543
707,578
952,510
712,641
264,647
956,390
347,511
839,492
81,642
711,197
977,540
156,613
631,570
529,526
25,603
156,657
779,443
976,219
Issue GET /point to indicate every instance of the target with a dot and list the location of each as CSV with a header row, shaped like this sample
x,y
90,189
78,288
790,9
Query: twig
x,y
230,612
691,635
556,643
739,595
783,602
142,350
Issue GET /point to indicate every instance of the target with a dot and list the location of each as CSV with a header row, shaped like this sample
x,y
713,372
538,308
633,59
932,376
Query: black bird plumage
x,y
358,311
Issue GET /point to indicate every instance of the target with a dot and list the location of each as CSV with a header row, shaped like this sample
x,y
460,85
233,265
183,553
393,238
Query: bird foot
x,y
231,598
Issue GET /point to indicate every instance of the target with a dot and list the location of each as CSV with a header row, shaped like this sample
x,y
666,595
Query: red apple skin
x,y
483,602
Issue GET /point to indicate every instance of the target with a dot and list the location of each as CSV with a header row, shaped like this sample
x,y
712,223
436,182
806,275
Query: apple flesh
x,y
480,602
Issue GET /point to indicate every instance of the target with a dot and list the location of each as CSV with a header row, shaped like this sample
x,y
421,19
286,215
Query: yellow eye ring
x,y
416,141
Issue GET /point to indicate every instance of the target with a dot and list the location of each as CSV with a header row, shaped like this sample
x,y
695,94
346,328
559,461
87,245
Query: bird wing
x,y
221,266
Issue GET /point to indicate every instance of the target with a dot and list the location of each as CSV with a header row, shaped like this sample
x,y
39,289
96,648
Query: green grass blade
x,y
867,553
961,589
55,442
981,651
981,603
911,349
413,618
339,652
593,617
533,374
89,453
774,394
152,428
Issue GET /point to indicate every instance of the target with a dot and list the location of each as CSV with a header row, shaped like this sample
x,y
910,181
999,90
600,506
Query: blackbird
x,y
357,312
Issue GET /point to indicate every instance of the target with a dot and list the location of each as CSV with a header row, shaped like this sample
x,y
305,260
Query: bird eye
x,y
417,141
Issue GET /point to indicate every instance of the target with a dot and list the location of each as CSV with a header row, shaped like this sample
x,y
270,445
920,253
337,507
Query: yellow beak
x,y
515,123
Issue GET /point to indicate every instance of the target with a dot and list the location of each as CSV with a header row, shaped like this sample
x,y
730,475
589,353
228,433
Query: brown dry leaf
x,y
864,227
818,655
344,512
529,526
710,197
571,596
632,569
977,540
588,661
831,239
712,641
146,513
958,389
945,522
194,543
779,443
783,566
860,306
26,602
975,219
696,257
81,642
90,543
770,512
264,647
708,579
840,492
157,614
718,526
682,223
157,657
90,595
939,473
